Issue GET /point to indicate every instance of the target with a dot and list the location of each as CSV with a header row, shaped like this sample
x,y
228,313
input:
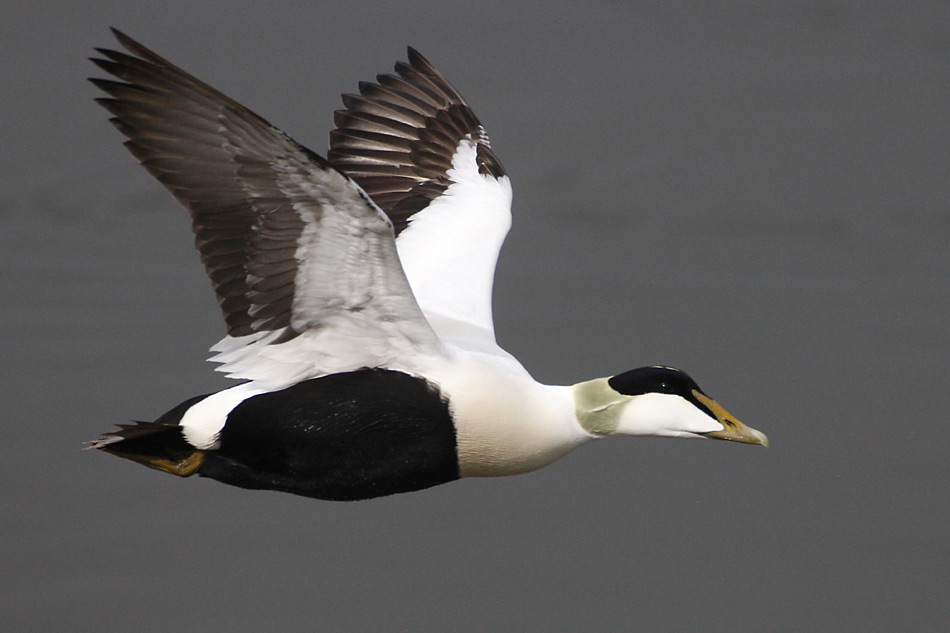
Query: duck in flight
x,y
356,290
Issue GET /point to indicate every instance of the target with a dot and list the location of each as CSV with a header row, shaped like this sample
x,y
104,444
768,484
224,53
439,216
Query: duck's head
x,y
656,401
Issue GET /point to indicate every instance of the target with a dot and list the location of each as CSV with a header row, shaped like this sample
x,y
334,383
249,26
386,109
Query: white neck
x,y
506,422
531,429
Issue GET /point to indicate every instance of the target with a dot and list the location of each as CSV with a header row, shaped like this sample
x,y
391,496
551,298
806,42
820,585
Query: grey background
x,y
756,195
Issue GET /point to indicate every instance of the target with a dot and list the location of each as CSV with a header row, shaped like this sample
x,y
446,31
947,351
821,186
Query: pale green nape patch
x,y
598,406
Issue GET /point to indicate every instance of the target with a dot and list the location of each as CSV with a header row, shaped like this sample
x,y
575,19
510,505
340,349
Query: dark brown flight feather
x,y
238,175
252,190
397,137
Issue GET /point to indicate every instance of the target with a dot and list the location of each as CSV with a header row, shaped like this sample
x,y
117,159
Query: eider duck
x,y
356,290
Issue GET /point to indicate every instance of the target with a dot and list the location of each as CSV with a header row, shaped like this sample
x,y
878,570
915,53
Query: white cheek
x,y
666,415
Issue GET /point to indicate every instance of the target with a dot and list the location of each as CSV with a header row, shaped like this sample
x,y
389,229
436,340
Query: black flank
x,y
349,436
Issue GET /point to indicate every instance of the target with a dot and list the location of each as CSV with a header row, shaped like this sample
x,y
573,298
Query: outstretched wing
x,y
303,262
413,144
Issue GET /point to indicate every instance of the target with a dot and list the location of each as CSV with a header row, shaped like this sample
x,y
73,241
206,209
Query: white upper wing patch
x,y
353,306
450,248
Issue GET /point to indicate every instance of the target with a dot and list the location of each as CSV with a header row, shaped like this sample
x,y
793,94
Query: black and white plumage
x,y
357,296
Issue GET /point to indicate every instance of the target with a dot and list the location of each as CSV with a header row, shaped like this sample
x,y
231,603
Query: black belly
x,y
357,435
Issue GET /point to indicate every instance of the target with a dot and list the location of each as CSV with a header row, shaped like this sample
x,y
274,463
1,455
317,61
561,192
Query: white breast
x,y
506,423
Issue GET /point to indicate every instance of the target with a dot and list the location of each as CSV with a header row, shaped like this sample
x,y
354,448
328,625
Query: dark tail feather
x,y
157,445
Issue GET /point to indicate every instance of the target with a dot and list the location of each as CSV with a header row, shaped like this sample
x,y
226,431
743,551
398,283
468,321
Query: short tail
x,y
157,445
